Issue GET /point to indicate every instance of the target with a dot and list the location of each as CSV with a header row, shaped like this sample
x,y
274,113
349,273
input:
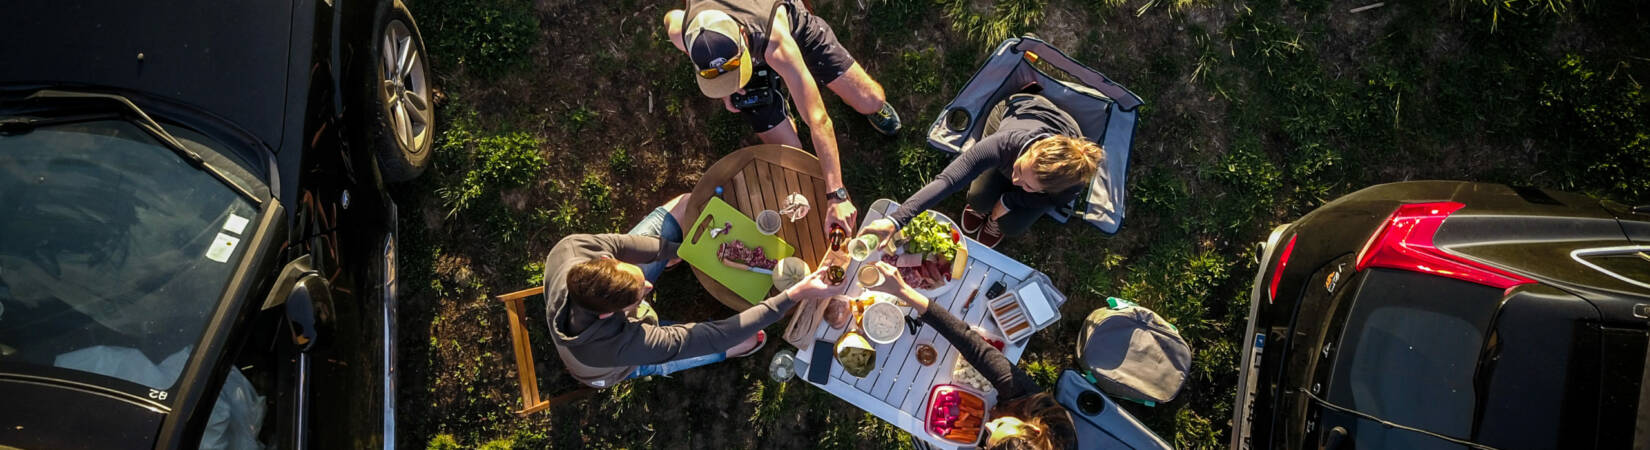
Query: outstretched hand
x,y
811,287
897,287
840,213
882,228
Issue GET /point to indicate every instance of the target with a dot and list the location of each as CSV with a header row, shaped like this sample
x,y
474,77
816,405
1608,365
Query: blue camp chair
x,y
1104,110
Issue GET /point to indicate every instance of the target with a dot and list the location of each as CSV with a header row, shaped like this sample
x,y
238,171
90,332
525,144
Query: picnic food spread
x,y
882,322
789,271
930,249
836,311
955,414
855,354
926,354
736,251
965,374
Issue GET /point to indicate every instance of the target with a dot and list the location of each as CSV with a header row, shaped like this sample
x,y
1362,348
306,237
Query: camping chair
x,y
525,371
1105,112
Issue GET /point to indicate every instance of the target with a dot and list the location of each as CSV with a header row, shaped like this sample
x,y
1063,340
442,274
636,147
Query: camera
x,y
759,92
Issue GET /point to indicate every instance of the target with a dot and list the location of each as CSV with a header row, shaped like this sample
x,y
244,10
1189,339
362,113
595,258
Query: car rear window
x,y
1410,349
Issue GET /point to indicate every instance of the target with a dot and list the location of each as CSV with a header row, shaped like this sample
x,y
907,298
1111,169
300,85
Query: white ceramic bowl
x,y
883,322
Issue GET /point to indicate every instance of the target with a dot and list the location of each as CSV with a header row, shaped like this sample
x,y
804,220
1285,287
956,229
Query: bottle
x,y
837,236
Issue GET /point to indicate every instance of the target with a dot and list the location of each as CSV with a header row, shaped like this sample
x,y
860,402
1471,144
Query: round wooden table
x,y
760,177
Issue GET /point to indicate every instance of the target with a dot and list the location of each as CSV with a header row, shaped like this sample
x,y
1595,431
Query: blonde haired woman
x,y
1032,160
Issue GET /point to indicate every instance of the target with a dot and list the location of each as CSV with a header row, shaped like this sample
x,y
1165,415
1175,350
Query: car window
x,y
113,251
1411,348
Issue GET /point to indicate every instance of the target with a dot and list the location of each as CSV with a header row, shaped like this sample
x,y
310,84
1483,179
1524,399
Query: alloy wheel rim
x,y
406,89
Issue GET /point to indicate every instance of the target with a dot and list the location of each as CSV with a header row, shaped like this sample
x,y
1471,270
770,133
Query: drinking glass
x,y
869,276
861,247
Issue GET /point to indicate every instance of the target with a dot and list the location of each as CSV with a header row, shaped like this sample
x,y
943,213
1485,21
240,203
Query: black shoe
x,y
885,120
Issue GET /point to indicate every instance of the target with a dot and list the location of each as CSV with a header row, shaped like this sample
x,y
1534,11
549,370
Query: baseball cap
x,y
713,38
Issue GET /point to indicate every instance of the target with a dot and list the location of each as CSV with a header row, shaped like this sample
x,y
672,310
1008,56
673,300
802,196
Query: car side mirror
x,y
309,312
308,301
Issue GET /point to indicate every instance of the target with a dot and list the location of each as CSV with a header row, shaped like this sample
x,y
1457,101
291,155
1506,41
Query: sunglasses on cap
x,y
730,65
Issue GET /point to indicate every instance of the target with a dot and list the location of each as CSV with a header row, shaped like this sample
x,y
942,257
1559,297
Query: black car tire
x,y
402,143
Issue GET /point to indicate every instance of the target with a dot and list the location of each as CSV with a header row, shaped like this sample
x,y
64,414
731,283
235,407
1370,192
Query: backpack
x,y
1133,353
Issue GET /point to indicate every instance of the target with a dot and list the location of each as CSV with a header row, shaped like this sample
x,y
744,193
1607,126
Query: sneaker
x,y
885,120
990,234
761,339
971,220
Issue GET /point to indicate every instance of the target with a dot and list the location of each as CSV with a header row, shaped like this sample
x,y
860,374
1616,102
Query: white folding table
x,y
897,388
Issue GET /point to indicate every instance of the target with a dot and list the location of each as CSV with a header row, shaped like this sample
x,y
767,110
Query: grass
x,y
1257,112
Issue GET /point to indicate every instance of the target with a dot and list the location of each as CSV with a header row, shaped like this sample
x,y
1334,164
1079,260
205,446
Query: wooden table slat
x,y
735,194
808,235
793,233
753,186
797,230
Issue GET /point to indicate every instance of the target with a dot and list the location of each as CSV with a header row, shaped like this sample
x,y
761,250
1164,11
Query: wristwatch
x,y
840,194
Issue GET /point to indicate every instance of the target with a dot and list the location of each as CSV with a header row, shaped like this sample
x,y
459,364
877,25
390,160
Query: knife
x,y
731,263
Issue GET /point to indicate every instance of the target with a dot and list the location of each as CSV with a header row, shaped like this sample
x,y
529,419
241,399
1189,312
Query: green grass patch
x,y
486,38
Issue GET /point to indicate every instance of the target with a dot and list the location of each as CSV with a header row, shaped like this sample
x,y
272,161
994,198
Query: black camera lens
x,y
1090,403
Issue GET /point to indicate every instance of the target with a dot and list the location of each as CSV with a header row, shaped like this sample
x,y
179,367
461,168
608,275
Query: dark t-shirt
x,y
1024,123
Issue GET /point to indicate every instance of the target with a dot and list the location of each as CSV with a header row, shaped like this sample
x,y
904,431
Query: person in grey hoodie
x,y
606,332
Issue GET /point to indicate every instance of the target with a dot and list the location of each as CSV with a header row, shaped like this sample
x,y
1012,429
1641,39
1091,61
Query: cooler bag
x,y
1133,353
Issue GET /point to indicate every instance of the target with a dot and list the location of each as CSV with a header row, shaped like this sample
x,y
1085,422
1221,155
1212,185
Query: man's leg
x,y
772,123
664,223
858,90
831,65
679,365
782,134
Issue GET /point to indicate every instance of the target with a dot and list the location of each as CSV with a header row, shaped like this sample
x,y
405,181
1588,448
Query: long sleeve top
x,y
1011,382
1025,123
602,351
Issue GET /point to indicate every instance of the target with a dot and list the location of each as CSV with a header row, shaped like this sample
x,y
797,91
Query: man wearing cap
x,y
730,41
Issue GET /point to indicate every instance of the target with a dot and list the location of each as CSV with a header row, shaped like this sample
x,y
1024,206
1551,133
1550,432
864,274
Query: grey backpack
x,y
1133,353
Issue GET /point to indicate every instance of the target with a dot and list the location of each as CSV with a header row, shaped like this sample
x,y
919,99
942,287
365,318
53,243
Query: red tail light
x,y
1404,242
1283,261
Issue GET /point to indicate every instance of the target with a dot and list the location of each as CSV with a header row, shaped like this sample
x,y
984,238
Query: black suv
x,y
196,244
1426,315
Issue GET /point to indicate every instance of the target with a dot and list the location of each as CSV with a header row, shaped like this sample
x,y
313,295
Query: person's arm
x,y
956,176
1009,381
630,248
673,28
784,57
649,344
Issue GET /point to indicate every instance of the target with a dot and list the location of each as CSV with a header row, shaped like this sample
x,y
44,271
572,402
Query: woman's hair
x,y
1047,425
599,285
1061,162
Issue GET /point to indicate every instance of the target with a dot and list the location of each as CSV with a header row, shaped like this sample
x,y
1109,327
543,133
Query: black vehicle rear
x,y
1448,315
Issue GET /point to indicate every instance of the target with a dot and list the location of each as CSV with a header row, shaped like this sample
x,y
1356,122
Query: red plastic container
x,y
947,405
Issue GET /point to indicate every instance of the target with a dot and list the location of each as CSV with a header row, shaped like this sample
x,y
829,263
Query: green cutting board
x,y
699,249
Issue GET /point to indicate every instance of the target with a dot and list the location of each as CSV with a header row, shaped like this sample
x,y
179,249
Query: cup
x,y
869,276
783,366
861,247
767,222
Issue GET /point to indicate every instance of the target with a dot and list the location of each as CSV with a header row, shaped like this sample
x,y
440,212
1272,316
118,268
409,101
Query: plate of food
x,y
930,255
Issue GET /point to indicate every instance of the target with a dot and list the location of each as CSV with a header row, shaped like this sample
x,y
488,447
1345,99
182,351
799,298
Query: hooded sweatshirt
x,y
602,351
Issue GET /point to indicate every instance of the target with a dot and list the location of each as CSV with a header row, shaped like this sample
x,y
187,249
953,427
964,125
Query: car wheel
x,y
398,91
